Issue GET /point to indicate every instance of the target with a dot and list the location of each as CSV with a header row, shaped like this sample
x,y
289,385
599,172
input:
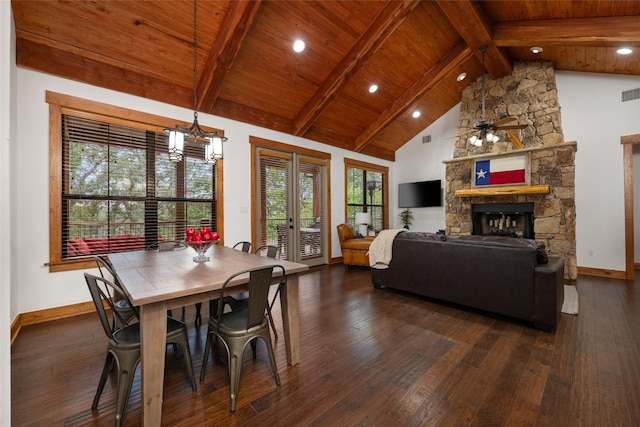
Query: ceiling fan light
x,y
475,140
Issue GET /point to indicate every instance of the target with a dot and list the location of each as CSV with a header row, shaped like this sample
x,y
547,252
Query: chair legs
x,y
126,363
235,348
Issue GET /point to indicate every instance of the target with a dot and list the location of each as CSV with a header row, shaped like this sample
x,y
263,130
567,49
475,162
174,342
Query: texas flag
x,y
502,171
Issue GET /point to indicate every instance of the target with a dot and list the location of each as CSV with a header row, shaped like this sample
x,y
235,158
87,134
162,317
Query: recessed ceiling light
x,y
461,76
416,114
536,49
624,51
298,46
373,88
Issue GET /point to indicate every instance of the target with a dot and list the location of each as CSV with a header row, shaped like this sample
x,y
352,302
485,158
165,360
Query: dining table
x,y
156,281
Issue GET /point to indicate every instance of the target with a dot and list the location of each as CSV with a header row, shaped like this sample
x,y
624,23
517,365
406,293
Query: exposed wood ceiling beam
x,y
473,26
98,71
428,81
235,26
389,18
599,31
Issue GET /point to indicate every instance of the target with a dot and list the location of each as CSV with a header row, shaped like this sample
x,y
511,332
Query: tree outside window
x,y
366,191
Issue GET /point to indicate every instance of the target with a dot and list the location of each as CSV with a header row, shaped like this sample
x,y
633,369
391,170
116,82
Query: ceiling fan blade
x,y
507,127
504,120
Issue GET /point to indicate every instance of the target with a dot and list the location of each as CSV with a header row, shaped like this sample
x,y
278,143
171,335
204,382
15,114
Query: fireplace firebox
x,y
503,219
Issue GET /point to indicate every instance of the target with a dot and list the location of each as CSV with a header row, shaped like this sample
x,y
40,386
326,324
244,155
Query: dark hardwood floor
x,y
368,358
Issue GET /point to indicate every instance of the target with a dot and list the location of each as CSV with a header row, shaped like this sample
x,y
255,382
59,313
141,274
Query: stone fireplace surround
x,y
529,94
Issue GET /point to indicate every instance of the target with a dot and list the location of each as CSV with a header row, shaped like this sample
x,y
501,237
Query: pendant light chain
x,y
179,136
195,57
483,50
484,126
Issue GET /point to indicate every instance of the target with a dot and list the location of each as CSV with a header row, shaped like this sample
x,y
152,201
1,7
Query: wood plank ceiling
x,y
247,70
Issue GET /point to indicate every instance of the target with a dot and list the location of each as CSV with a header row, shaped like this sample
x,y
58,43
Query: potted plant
x,y
406,216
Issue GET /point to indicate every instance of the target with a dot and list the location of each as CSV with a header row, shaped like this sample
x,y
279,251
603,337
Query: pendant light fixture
x,y
484,125
179,136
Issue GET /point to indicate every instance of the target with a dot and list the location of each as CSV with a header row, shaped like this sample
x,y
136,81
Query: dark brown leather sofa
x,y
507,276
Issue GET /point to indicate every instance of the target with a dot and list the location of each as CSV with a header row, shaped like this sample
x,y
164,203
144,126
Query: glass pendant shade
x,y
176,145
216,143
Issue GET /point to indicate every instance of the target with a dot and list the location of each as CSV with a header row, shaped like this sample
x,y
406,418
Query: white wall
x,y
593,115
423,162
7,210
37,288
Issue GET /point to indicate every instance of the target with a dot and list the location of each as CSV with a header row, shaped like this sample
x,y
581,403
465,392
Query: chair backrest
x,y
243,246
166,246
269,251
258,287
101,290
108,272
345,232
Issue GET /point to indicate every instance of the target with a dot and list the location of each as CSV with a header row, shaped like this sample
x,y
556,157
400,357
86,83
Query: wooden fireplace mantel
x,y
503,191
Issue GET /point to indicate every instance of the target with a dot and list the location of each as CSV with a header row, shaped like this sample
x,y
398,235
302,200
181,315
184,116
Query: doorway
x,y
290,202
628,144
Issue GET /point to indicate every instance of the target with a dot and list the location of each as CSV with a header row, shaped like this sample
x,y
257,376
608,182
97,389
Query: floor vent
x,y
629,95
426,139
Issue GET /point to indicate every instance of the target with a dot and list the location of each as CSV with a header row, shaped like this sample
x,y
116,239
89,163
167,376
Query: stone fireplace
x,y
529,94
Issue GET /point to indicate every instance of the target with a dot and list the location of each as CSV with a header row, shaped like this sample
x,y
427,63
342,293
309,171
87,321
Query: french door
x,y
290,204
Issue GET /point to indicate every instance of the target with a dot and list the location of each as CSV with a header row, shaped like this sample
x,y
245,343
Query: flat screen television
x,y
420,194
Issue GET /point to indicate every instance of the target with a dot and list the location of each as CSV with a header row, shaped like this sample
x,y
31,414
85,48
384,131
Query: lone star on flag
x,y
481,174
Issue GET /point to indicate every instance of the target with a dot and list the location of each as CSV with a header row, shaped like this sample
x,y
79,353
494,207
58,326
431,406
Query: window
x,y
366,191
116,188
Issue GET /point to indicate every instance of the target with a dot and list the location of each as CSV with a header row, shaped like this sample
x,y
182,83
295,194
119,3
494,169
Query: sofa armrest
x,y
549,293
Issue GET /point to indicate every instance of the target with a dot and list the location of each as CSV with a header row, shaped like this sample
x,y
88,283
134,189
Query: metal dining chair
x,y
123,350
270,251
123,312
239,300
243,246
238,328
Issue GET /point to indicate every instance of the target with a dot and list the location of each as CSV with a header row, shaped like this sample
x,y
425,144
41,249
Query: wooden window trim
x,y
60,104
352,163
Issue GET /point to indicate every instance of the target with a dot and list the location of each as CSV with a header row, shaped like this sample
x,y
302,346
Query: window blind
x,y
120,191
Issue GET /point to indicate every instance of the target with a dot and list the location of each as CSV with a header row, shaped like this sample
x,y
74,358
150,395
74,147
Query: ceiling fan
x,y
488,127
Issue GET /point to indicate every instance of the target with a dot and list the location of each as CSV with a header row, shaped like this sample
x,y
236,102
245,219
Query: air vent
x,y
629,95
426,139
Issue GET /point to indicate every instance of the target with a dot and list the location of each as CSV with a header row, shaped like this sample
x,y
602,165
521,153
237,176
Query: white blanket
x,y
380,249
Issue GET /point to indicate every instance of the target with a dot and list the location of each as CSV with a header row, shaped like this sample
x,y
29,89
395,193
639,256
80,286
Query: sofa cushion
x,y
420,235
541,253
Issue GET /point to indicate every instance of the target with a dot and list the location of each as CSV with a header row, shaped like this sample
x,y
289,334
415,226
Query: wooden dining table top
x,y
152,276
